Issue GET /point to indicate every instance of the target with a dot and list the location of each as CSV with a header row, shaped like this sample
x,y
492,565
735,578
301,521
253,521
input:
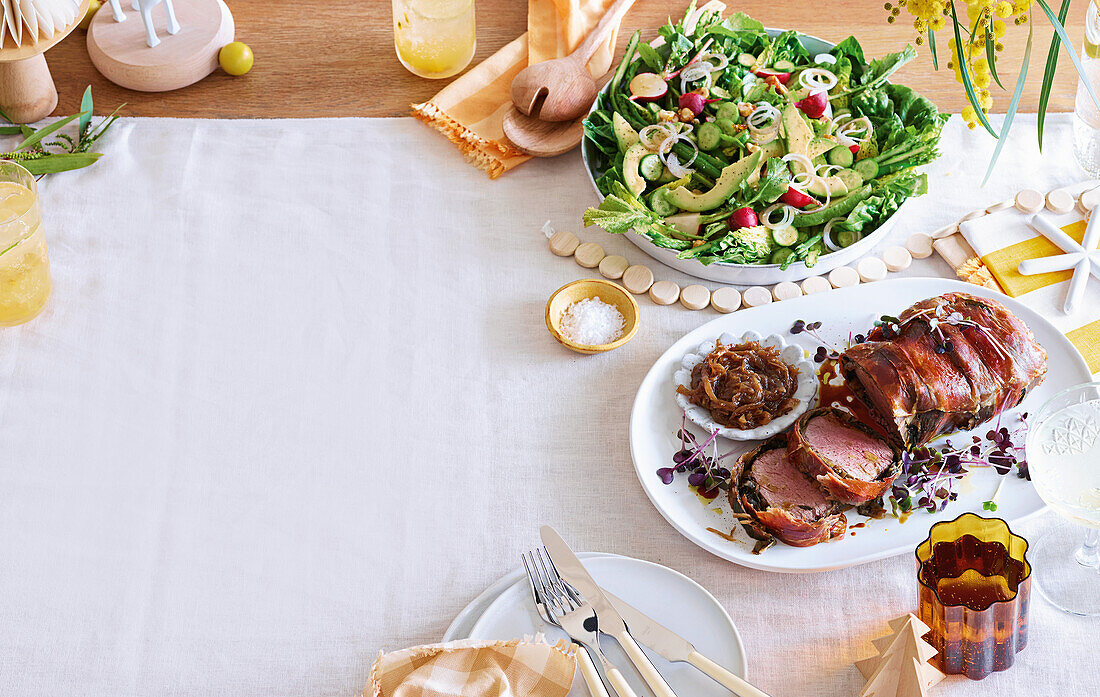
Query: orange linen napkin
x,y
475,669
470,110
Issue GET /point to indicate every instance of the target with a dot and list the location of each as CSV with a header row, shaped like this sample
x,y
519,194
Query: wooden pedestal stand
x,y
27,92
119,51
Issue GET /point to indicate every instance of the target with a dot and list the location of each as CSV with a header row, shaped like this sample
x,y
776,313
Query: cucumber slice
x,y
747,60
846,238
708,136
851,178
785,236
780,255
783,66
660,204
867,169
840,156
651,167
728,111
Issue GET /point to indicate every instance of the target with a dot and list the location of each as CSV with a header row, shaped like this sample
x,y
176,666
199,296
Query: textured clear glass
x,y
1063,455
434,38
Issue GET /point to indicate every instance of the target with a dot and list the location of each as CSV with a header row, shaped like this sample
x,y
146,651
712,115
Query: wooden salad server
x,y
541,138
562,89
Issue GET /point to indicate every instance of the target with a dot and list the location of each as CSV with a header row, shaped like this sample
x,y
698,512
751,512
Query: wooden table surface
x,y
321,58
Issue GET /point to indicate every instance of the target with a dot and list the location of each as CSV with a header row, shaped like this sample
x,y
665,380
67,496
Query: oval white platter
x,y
753,274
656,417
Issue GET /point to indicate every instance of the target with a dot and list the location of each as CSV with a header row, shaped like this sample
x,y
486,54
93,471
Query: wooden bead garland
x,y
664,292
589,255
695,297
638,279
725,300
614,266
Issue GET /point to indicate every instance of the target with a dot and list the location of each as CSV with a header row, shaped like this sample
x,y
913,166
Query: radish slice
x,y
817,79
784,221
743,217
797,198
648,87
693,101
814,105
783,78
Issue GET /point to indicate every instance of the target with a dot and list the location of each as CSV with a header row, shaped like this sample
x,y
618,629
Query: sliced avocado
x,y
819,146
832,186
726,186
772,149
851,178
624,132
798,133
633,178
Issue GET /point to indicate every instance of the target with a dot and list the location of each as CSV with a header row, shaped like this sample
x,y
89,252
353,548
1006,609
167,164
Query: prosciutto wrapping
x,y
951,362
774,499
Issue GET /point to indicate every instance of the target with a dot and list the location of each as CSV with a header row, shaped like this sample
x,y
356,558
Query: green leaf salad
x,y
729,145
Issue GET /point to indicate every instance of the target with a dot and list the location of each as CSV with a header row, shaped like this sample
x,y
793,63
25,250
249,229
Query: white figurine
x,y
145,7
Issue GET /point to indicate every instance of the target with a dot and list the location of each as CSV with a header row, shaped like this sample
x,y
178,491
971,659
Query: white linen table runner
x,y
293,402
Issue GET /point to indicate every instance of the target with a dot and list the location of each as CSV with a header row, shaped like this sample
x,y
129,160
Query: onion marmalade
x,y
744,386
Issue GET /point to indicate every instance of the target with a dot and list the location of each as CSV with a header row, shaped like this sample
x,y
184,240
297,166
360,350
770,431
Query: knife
x,y
673,647
611,622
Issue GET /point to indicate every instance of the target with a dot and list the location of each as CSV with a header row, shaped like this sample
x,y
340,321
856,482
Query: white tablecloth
x,y
293,401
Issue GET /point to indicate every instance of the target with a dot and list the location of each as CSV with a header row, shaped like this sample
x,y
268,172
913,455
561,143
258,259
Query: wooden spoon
x,y
542,138
562,89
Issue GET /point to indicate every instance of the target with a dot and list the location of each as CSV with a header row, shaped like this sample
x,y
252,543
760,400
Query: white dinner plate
x,y
464,621
667,596
656,418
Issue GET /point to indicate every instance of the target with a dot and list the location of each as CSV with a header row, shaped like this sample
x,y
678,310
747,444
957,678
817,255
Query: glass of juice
x,y
434,38
1063,457
24,265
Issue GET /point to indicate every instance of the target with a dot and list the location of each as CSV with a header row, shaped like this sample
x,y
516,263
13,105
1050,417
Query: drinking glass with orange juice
x,y
434,38
24,264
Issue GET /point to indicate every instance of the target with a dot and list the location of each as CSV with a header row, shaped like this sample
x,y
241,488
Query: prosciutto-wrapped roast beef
x,y
950,362
774,499
848,459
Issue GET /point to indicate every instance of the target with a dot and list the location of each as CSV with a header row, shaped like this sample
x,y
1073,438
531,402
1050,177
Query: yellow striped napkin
x,y
1003,239
475,669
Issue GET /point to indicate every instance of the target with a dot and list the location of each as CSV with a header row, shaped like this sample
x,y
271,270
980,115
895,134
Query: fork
x,y
575,617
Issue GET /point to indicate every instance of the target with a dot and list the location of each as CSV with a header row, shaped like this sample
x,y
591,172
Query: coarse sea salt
x,y
592,322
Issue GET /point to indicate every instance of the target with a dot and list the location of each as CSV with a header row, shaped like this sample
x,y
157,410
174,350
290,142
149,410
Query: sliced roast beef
x,y
776,500
847,458
951,362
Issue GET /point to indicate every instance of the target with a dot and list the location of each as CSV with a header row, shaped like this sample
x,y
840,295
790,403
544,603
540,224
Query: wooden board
x,y
317,58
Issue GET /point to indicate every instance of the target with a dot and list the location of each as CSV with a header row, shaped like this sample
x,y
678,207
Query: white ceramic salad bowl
x,y
791,355
752,274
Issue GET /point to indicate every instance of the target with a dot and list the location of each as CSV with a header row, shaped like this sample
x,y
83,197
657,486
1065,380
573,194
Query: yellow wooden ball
x,y
236,58
93,7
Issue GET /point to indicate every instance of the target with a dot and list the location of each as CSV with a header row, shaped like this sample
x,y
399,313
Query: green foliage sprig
x,y
48,150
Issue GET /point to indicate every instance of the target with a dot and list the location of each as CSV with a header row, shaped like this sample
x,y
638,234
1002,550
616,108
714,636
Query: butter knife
x,y
611,622
673,647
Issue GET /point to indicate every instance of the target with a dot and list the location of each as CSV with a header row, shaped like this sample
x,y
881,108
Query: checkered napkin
x,y
475,669
1003,239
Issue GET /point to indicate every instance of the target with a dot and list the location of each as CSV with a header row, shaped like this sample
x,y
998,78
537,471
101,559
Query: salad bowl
x,y
729,272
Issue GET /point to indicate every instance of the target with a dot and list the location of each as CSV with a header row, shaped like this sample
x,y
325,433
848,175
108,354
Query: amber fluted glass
x,y
975,588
